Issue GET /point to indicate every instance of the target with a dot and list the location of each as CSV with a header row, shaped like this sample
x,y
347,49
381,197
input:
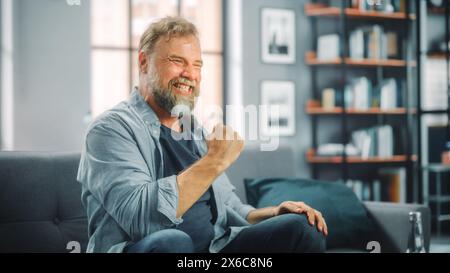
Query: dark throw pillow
x,y
349,225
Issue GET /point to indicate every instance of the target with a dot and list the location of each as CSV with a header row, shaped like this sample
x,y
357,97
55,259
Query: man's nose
x,y
191,73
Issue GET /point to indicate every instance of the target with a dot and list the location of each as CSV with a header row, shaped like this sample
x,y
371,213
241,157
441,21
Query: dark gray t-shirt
x,y
198,221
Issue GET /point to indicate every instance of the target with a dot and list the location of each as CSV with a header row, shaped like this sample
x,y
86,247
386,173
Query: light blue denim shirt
x,y
123,190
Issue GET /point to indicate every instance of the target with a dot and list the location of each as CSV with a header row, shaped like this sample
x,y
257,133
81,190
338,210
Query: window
x,y
116,29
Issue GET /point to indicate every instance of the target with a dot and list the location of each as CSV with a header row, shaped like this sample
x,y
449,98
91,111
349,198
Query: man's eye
x,y
177,61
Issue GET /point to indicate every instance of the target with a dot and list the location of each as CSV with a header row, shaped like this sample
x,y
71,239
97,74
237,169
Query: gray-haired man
x,y
147,189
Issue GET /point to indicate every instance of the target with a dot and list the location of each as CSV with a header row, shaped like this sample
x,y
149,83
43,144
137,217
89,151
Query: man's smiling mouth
x,y
184,89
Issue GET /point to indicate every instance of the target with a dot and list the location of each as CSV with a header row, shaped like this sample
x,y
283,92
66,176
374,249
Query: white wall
x,y
51,74
253,71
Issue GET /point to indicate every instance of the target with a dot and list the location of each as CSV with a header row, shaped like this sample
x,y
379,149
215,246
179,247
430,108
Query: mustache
x,y
183,80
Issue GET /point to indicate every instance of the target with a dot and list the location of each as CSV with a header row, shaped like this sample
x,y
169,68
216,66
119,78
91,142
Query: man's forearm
x,y
195,180
261,214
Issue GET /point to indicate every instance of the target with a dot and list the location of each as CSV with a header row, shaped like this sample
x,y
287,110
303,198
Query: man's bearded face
x,y
174,72
178,91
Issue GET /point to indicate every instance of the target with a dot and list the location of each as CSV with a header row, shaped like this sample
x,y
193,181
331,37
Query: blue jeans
x,y
286,233
289,233
163,241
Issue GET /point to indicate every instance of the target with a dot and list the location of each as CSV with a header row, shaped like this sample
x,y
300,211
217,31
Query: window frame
x,y
131,50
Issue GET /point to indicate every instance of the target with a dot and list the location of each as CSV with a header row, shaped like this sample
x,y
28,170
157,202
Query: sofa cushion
x,y
349,225
40,206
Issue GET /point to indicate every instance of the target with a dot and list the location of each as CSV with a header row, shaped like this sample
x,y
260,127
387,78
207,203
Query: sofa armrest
x,y
392,220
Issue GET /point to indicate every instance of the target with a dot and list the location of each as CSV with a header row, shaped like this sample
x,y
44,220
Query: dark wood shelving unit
x,y
437,55
323,10
314,108
404,65
436,11
440,16
313,158
311,59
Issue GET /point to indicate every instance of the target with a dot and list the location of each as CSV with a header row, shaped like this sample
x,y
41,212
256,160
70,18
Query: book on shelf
x,y
375,43
389,187
336,149
379,5
362,141
356,187
328,47
328,98
358,94
376,141
376,190
399,5
392,45
371,142
362,189
362,88
393,184
385,145
373,137
388,94
361,95
371,42
357,44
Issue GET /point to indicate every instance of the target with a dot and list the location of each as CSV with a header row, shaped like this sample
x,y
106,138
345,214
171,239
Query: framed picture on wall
x,y
278,35
277,116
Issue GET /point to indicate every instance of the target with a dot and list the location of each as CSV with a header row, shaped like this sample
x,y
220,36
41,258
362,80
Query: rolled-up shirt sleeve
x,y
117,175
227,190
231,199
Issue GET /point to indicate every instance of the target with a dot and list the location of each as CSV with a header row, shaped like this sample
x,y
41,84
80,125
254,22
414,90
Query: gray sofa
x,y
392,219
40,205
40,208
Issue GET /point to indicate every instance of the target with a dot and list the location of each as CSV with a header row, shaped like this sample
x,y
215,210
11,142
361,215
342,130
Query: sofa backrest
x,y
40,206
254,163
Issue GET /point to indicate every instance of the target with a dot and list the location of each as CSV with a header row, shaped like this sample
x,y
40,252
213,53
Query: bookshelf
x,y
314,9
312,157
378,66
313,107
437,55
436,10
311,59
434,110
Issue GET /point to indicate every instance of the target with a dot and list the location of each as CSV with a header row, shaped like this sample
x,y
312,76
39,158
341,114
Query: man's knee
x,y
167,241
174,241
308,238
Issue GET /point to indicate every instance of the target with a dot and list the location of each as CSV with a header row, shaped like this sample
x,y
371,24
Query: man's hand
x,y
314,216
224,145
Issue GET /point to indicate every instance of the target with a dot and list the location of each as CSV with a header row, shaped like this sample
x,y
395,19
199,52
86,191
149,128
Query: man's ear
x,y
143,62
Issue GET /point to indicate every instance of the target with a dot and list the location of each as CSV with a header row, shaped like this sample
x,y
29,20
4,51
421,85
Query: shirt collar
x,y
149,116
143,109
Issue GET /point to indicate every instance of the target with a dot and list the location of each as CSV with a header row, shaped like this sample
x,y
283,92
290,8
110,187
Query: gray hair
x,y
166,27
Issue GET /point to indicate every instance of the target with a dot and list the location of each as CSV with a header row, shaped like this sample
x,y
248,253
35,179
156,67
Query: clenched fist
x,y
224,145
